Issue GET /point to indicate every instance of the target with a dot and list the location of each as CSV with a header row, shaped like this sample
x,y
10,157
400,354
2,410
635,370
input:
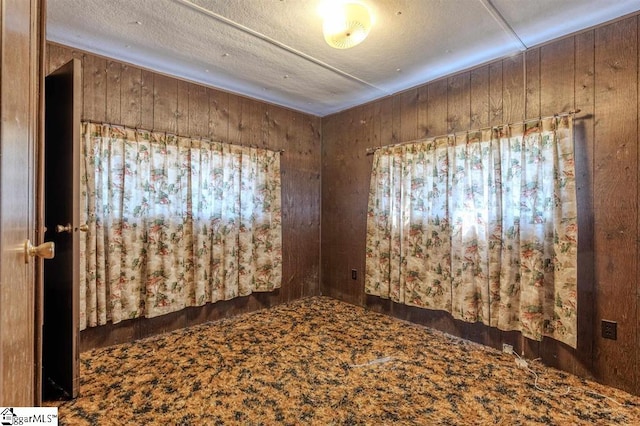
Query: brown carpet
x,y
321,361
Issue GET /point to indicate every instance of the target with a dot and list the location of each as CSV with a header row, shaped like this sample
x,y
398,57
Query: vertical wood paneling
x,y
218,115
375,123
114,72
279,124
437,114
396,124
513,89
165,103
423,111
249,122
557,61
311,197
374,112
584,150
386,116
131,96
146,99
375,129
479,97
264,130
253,122
295,199
182,109
260,112
357,193
408,115
345,191
459,103
94,88
306,203
330,126
261,137
532,102
335,257
495,94
198,111
299,135
234,134
279,119
616,201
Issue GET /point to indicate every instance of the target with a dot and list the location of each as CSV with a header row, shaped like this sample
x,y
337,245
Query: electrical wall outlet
x,y
609,329
507,348
354,274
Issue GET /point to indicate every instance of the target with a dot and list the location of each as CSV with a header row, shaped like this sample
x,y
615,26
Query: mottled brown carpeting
x,y
321,361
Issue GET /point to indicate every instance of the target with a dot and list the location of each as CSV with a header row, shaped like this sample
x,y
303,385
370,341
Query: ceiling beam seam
x,y
495,13
276,43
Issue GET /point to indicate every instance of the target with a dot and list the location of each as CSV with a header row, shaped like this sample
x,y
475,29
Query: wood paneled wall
x,y
118,93
595,71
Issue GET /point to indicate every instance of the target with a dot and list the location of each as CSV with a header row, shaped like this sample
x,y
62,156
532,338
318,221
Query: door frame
x,y
39,207
21,66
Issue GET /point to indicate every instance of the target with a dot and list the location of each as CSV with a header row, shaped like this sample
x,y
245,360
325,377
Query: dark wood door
x,y
60,352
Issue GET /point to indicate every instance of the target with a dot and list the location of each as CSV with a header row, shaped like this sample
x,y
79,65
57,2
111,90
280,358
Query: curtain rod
x,y
561,114
102,123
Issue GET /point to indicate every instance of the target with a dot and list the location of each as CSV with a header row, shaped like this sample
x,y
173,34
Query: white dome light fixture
x,y
346,23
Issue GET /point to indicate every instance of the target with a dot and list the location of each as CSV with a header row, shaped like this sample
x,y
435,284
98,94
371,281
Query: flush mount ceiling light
x,y
345,23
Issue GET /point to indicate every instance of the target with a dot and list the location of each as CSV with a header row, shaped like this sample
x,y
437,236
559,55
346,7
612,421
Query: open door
x,y
60,351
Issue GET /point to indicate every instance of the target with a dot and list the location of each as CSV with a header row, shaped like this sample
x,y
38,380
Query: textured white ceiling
x,y
274,49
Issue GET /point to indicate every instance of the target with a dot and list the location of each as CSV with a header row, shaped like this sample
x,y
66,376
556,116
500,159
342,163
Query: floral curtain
x,y
482,225
174,222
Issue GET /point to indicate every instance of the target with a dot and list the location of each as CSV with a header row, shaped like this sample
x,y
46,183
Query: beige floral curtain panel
x,y
482,225
174,222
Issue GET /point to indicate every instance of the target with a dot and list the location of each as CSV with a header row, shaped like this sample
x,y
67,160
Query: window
x,y
175,222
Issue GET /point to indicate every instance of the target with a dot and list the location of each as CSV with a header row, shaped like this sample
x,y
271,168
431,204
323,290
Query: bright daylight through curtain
x,y
174,222
482,225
